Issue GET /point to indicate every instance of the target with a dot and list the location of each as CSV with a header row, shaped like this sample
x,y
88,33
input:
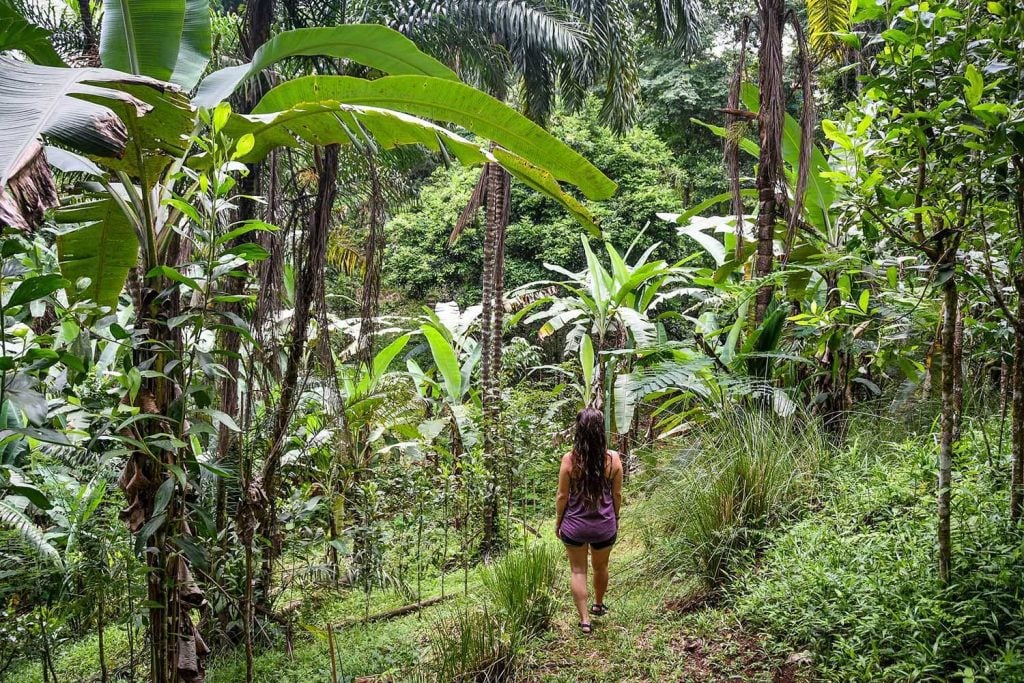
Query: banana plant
x,y
608,313
448,385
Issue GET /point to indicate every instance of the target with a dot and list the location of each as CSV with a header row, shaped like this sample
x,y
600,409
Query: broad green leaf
x,y
382,361
69,162
18,33
36,288
445,360
540,180
104,250
975,85
324,123
746,144
196,45
836,135
174,276
820,193
711,244
142,36
684,218
451,102
372,45
598,276
163,495
147,530
587,362
34,495
321,123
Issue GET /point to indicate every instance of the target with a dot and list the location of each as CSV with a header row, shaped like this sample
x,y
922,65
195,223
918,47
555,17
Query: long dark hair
x,y
588,457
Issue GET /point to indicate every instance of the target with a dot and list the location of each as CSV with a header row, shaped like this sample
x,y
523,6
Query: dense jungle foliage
x,y
300,301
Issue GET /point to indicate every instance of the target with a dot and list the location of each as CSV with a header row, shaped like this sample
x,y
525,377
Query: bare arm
x,y
562,498
616,484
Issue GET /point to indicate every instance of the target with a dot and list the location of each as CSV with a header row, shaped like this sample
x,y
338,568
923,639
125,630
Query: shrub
x,y
520,586
856,582
472,645
742,474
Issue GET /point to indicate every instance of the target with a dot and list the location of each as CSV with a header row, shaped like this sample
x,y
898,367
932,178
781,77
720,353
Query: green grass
x,y
79,660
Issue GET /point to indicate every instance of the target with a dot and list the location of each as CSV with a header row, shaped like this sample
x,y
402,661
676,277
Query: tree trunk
x,y
958,374
101,649
948,427
498,183
177,651
373,258
305,287
769,171
90,47
1017,426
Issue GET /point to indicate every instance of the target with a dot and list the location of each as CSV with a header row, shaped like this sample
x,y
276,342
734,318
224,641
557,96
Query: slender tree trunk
x,y
492,323
732,148
177,651
259,16
100,625
305,287
373,258
948,427
958,374
90,46
771,15
1017,426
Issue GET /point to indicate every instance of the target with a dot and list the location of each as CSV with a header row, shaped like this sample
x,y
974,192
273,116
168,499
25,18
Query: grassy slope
x,y
645,638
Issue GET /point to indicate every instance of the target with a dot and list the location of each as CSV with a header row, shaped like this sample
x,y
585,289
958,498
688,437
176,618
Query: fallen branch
x,y
393,613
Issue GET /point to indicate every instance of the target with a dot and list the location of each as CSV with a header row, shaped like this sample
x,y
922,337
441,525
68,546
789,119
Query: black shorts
x,y
600,545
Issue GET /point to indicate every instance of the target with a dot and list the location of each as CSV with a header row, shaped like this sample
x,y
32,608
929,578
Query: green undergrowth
x,y
830,556
856,582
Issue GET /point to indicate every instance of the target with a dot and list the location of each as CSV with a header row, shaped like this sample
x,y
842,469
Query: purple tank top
x,y
590,525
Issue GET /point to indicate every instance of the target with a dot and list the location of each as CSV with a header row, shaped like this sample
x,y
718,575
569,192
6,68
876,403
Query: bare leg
x,y
599,559
578,565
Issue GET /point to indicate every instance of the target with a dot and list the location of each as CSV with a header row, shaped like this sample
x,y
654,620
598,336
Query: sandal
x,y
598,609
585,628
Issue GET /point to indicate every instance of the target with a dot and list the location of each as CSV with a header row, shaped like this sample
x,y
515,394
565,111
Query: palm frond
x,y
679,21
825,20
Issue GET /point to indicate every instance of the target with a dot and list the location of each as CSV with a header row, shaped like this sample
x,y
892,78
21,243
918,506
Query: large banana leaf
x,y
326,122
196,44
38,101
165,39
142,36
820,193
103,250
450,102
18,33
445,360
372,45
74,107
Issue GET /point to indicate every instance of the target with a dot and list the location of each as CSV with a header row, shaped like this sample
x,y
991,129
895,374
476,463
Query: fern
x,y
31,534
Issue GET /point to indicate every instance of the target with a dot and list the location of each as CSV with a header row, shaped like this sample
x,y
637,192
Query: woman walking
x,y
587,510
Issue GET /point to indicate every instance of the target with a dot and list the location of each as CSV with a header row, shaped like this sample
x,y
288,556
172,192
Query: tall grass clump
x,y
483,644
473,644
520,587
739,475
